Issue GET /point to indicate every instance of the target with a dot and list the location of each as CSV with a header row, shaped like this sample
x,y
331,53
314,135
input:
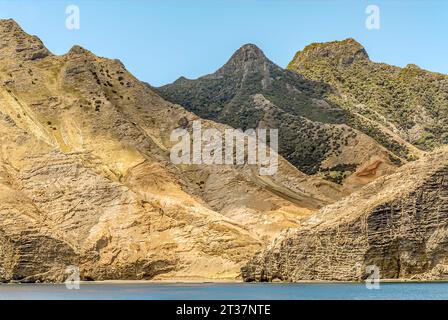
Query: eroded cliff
x,y
86,178
398,223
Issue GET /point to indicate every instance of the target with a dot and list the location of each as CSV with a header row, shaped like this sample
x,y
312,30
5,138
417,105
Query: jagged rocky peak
x,y
412,66
248,56
16,43
343,53
181,80
8,25
248,59
246,53
76,49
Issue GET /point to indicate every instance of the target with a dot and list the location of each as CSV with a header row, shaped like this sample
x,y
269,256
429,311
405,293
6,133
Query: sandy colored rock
x,y
86,178
397,223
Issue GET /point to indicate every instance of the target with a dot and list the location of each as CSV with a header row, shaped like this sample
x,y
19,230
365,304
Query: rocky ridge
x,y
86,179
392,103
316,134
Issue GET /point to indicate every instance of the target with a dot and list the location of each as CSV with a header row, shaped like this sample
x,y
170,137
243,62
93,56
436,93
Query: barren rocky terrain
x,y
86,178
391,103
398,224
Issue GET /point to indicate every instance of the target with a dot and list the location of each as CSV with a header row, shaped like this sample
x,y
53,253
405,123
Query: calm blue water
x,y
232,291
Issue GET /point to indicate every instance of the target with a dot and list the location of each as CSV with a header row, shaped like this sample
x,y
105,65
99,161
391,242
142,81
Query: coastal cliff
x,y
398,224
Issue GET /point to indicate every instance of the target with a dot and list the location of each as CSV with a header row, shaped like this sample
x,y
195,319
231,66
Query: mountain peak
x,y
248,52
8,23
16,43
412,66
10,28
344,52
181,79
76,49
247,57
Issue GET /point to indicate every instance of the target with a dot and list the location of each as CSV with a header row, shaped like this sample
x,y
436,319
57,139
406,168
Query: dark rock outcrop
x,y
315,134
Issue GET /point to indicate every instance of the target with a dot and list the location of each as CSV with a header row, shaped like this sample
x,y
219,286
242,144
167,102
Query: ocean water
x,y
225,291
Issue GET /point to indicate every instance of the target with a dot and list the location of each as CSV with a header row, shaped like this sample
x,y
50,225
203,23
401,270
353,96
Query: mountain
x,y
397,223
408,103
316,134
86,178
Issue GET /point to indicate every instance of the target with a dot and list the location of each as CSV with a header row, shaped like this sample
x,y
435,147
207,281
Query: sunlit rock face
x,y
86,178
396,225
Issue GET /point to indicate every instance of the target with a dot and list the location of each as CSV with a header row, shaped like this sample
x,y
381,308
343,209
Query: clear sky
x,y
161,40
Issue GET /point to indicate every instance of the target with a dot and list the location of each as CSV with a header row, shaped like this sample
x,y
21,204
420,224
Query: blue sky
x,y
160,40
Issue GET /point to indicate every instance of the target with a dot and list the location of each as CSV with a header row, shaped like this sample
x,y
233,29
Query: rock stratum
x,y
398,223
86,178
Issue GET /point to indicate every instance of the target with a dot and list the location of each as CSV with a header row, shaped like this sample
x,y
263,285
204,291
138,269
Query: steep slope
x,y
315,135
86,178
409,103
397,223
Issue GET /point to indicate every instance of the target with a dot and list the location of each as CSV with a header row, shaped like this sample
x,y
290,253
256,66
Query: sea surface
x,y
225,291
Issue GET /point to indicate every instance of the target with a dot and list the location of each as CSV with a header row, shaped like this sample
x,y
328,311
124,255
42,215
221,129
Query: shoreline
x,y
223,281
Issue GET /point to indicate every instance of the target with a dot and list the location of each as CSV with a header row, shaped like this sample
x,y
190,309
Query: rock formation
x,y
318,133
391,103
398,223
86,178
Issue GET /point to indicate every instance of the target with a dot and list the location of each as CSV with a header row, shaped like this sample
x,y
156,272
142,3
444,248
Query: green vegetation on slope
x,y
410,101
251,91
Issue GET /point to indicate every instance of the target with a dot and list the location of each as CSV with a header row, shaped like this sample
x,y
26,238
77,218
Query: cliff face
x,y
86,178
398,223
